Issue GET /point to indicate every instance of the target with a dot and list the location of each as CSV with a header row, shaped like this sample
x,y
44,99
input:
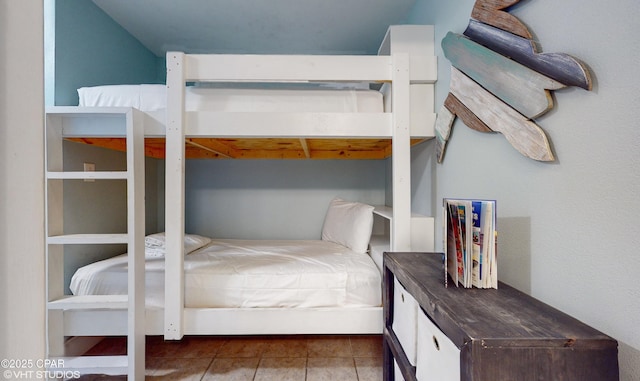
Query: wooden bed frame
x,y
406,65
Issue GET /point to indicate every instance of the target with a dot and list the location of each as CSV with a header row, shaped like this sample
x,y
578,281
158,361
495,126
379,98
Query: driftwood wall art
x,y
500,81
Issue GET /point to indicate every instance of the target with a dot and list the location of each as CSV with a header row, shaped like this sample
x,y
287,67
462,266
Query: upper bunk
x,y
275,106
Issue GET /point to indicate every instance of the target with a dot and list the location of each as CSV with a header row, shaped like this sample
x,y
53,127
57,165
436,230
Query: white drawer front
x,y
405,314
438,359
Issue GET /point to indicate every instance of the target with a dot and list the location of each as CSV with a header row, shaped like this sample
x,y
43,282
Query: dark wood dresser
x,y
437,333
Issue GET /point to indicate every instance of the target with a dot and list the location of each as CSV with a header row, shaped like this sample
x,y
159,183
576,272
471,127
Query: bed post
x,y
174,198
414,66
401,154
135,247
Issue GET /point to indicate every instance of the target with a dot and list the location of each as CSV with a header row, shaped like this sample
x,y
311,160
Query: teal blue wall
x,y
91,49
274,199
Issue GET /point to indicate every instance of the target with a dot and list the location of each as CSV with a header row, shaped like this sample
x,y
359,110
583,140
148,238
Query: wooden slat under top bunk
x,y
263,148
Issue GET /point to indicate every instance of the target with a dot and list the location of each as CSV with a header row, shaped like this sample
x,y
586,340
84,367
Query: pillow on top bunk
x,y
348,224
154,244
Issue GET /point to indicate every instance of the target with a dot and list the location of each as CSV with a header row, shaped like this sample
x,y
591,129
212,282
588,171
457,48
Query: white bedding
x,y
153,97
249,273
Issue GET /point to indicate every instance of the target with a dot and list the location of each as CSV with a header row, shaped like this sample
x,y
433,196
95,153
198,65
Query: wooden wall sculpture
x,y
500,81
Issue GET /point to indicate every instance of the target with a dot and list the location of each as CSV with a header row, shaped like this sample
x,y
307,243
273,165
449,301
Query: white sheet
x,y
153,97
249,273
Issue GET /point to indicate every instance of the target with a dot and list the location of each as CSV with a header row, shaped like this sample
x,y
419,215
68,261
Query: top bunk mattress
x,y
153,97
250,274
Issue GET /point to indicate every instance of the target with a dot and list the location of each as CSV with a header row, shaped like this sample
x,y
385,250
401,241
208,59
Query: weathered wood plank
x,y
522,88
451,108
468,117
491,12
444,121
524,135
559,66
503,334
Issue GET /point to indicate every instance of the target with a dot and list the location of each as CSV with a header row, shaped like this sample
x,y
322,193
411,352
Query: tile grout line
x,y
208,366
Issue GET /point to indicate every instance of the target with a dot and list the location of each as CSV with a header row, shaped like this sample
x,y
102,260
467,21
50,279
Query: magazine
x,y
470,243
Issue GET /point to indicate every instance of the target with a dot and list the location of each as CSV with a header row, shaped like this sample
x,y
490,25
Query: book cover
x,y
456,244
471,242
466,231
476,272
489,269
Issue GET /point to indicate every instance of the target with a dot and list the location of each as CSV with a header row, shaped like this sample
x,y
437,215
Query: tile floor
x,y
281,358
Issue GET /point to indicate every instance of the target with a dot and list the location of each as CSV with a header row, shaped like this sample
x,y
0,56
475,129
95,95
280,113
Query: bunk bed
x,y
404,69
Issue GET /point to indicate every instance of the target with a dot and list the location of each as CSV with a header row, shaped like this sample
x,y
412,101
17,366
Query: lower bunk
x,y
243,287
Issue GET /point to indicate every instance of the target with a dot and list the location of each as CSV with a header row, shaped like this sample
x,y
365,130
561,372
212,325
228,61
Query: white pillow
x,y
155,244
348,224
143,97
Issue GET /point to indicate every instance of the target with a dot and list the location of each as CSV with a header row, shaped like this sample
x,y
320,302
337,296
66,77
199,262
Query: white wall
x,y
21,181
568,231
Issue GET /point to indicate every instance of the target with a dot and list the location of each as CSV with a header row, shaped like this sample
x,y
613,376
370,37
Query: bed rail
x,y
284,68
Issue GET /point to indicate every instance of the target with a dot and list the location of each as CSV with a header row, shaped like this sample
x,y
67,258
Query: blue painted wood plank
x,y
559,66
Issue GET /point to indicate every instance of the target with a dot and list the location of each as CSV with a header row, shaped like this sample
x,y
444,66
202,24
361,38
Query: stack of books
x,y
470,245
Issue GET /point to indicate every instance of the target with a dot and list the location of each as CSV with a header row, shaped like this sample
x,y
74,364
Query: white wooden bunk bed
x,y
405,65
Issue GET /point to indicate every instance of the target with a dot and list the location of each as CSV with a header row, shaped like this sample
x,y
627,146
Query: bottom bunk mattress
x,y
250,274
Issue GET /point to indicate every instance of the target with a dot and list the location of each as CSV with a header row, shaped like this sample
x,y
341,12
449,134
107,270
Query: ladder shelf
x,y
82,175
86,302
127,123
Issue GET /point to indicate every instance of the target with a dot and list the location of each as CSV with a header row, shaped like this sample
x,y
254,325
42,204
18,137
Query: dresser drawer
x,y
438,359
405,313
